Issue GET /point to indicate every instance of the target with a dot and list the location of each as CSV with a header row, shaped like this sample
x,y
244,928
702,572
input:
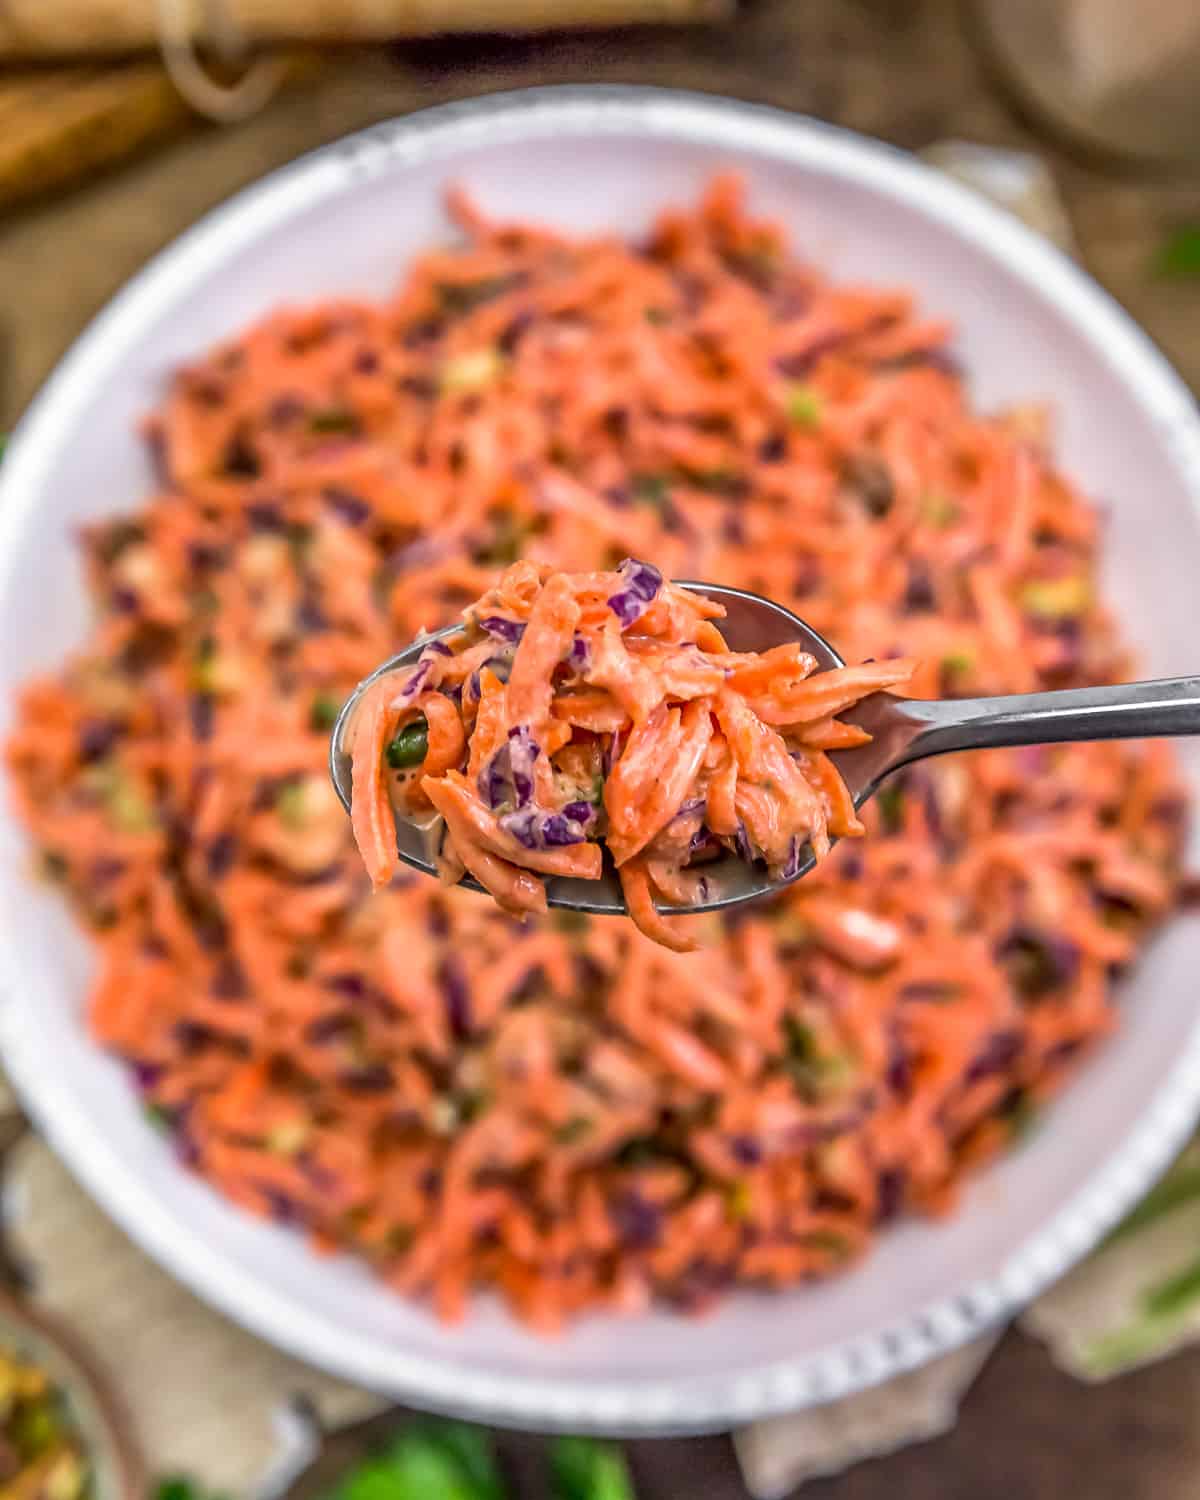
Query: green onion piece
x,y
333,419
572,1130
323,712
939,511
410,746
1057,598
291,803
890,802
958,661
805,407
653,490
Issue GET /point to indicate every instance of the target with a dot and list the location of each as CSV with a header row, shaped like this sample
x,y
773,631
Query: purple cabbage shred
x,y
642,583
503,628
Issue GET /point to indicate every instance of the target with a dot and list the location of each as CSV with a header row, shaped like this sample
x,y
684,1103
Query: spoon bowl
x,y
751,623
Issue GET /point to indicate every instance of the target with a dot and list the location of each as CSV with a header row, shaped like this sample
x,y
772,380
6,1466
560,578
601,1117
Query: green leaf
x,y
588,1470
1175,1295
471,1448
177,1487
414,1470
1179,254
1180,1186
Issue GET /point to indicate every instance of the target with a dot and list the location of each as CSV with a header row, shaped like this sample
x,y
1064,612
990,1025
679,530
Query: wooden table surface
x,y
901,69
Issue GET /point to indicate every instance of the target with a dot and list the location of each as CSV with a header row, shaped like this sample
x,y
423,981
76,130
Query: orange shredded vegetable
x,y
563,1111
549,785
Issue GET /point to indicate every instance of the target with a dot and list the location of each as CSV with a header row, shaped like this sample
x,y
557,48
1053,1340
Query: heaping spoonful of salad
x,y
614,743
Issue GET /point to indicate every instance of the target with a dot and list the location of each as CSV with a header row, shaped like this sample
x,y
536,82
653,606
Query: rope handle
x,y
224,103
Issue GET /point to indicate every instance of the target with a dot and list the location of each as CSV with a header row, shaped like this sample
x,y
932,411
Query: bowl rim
x,y
556,1401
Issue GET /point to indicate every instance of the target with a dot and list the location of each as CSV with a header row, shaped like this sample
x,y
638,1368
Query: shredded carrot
x,y
565,1112
561,762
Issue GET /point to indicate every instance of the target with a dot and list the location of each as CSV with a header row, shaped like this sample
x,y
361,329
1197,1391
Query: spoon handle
x,y
1129,710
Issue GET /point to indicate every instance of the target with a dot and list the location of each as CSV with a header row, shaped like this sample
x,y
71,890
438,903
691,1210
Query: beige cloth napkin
x,y
207,1398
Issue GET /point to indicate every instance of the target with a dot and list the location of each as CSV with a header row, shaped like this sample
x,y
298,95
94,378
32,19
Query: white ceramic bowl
x,y
346,220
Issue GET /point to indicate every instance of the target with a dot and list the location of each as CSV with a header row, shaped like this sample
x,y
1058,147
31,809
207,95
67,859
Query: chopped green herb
x,y
459,297
54,865
1179,255
291,803
323,712
115,539
333,419
958,661
3,443
124,800
574,1129
410,746
1021,1114
890,802
506,544
805,408
657,316
835,1245
717,481
472,371
653,490
940,511
157,1116
814,1072
471,1104
1057,598
299,540
585,1469
178,1488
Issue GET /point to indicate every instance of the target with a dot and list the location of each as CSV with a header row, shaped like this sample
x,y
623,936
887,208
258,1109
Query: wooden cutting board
x,y
59,125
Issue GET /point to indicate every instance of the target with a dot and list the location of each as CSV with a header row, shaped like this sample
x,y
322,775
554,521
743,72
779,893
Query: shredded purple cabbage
x,y
999,1052
642,583
580,654
504,629
534,828
692,805
508,775
791,865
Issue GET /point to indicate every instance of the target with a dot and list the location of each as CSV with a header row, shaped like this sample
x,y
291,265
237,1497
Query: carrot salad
x,y
562,1111
575,707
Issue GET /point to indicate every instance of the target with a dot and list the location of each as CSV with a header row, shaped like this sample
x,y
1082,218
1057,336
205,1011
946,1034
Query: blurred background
x,y
121,122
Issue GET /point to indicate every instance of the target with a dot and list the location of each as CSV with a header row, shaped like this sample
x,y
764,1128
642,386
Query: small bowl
x,y
115,1465
346,220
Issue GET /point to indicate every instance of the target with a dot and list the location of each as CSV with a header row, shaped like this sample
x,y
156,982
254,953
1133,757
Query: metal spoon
x,y
903,730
